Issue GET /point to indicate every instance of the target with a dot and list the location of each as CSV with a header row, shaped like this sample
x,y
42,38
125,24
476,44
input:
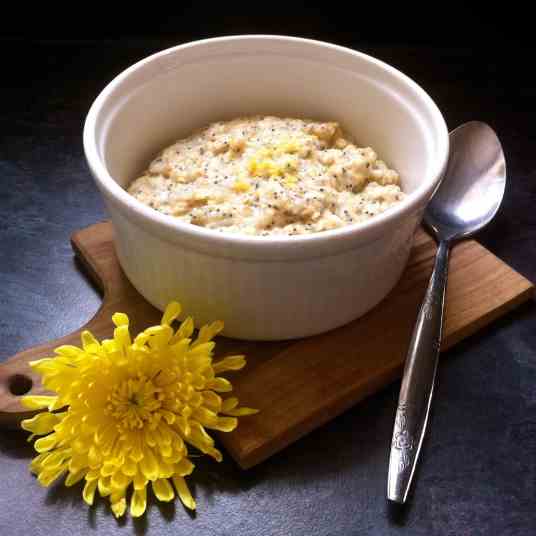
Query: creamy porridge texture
x,y
266,176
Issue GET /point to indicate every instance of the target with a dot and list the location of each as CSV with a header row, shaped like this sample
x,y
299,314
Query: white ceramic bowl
x,y
263,287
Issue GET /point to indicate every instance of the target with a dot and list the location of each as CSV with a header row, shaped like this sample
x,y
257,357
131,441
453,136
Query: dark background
x,y
440,23
478,470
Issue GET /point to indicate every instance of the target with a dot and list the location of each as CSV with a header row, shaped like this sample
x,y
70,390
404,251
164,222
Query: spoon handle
x,y
418,382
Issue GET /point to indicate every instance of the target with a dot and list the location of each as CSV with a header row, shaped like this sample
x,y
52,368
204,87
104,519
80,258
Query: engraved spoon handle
x,y
418,382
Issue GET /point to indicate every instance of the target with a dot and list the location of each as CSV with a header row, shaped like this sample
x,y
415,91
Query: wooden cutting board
x,y
301,384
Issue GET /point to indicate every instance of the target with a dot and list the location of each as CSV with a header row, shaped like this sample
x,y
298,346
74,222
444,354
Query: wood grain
x,y
299,385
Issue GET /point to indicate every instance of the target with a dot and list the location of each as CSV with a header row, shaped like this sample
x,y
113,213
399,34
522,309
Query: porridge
x,y
267,176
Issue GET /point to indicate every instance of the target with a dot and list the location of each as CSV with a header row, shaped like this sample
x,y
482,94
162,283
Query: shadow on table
x,y
14,444
72,496
208,478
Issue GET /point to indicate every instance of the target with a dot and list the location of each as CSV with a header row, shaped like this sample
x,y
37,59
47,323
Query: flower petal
x,y
241,412
184,467
229,403
38,401
220,385
92,474
185,331
138,503
141,339
184,493
163,490
37,463
94,456
172,311
139,481
119,481
166,470
149,464
105,438
208,332
55,459
89,343
78,462
232,362
68,350
73,478
120,319
44,366
104,487
129,467
205,416
119,503
202,441
136,452
46,478
42,423
224,424
46,443
212,401
89,491
122,336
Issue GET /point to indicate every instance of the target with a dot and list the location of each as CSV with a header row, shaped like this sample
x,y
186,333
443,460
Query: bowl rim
x,y
367,229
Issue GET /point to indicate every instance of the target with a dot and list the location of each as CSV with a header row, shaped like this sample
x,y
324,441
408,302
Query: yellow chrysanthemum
x,y
124,411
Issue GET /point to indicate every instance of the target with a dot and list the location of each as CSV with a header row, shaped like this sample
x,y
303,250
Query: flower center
x,y
135,402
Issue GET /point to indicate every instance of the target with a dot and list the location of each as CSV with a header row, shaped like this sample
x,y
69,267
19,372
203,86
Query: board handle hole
x,y
19,384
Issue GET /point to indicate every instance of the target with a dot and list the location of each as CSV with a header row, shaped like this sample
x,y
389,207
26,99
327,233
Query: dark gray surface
x,y
478,470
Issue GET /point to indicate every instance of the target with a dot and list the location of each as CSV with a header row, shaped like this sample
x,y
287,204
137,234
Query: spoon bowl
x,y
473,188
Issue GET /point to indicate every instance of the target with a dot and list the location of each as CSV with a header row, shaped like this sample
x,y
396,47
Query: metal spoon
x,y
467,200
